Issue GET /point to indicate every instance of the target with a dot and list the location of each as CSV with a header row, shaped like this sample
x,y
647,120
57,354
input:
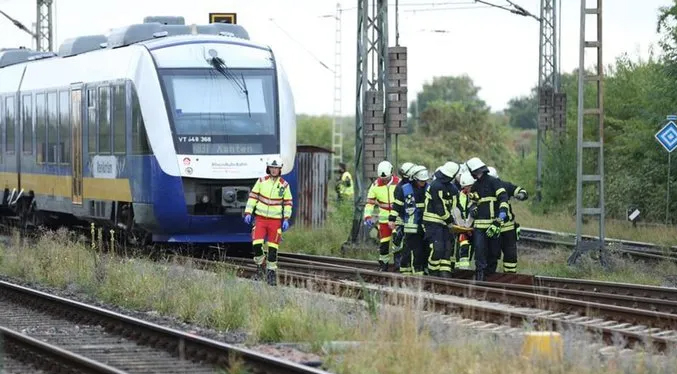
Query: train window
x,y
139,135
119,120
52,127
40,127
64,127
27,124
10,117
91,120
104,120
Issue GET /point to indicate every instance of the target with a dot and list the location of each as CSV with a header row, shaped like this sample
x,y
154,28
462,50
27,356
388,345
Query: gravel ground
x,y
12,366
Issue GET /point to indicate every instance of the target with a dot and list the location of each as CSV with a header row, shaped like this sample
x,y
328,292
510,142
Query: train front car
x,y
229,108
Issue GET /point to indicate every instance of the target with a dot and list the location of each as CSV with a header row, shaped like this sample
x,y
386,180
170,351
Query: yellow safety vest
x,y
346,189
381,194
271,198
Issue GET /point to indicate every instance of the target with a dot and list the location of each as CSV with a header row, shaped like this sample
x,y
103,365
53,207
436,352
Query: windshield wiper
x,y
219,65
246,93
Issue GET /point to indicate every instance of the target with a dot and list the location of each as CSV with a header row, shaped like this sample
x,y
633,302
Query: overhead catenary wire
x,y
301,45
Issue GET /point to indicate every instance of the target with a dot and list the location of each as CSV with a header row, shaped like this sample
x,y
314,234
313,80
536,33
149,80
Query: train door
x,y
76,122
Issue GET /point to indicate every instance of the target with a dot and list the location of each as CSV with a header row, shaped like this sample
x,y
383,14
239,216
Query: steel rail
x,y
184,345
561,317
49,357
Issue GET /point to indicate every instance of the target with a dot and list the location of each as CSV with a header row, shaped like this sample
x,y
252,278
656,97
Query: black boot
x,y
445,274
382,266
397,259
480,275
260,273
271,277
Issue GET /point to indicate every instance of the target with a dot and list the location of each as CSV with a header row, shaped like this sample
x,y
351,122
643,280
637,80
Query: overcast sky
x,y
497,49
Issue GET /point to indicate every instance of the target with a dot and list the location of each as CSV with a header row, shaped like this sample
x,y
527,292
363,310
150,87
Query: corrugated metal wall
x,y
314,172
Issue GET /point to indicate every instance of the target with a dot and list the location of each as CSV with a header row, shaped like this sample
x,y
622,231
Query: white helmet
x,y
450,169
493,172
466,179
385,169
275,162
475,164
405,170
420,173
462,168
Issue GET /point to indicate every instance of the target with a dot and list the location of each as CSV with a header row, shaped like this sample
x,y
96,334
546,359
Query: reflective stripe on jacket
x,y
271,198
381,194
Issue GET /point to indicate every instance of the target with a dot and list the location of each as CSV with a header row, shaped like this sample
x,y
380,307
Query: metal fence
x,y
314,174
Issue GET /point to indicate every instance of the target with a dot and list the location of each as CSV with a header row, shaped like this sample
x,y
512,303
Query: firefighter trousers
x,y
414,254
385,234
508,240
487,252
266,229
442,250
465,251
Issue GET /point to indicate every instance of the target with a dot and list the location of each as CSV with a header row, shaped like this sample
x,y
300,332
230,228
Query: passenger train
x,y
159,129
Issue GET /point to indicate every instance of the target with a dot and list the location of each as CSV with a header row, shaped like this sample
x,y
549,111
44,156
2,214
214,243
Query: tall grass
x,y
399,339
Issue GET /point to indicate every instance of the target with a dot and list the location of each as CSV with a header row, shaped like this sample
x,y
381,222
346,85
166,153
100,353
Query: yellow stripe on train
x,y
61,185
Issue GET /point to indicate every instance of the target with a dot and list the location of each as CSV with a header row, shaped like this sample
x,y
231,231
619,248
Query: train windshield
x,y
219,114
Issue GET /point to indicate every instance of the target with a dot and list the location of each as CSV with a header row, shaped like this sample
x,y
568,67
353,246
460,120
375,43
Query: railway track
x,y
482,302
76,337
651,298
634,249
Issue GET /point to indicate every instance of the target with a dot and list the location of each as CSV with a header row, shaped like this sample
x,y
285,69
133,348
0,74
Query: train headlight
x,y
205,199
229,196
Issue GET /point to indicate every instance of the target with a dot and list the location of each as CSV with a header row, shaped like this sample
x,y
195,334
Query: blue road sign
x,y
671,117
667,136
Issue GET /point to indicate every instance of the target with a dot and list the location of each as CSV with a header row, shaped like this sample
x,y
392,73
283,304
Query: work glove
x,y
248,219
285,225
502,216
473,196
517,230
522,195
368,221
494,230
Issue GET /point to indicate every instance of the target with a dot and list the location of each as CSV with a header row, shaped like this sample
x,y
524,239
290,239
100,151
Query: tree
x,y
523,111
447,89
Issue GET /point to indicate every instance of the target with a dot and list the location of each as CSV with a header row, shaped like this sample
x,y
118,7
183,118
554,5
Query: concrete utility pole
x,y
551,103
44,30
594,144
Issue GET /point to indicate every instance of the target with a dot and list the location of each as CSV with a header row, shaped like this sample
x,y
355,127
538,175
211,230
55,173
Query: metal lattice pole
x,y
547,82
337,128
371,105
44,41
592,139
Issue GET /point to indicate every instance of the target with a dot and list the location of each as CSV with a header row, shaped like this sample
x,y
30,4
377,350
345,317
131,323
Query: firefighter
x,y
381,193
271,201
464,216
408,204
440,198
492,212
395,221
510,229
344,185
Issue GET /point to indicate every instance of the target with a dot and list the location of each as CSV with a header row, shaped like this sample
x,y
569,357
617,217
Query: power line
x,y
301,45
514,8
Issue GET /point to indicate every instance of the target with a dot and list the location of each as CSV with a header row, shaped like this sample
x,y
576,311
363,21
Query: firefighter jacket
x,y
345,184
440,198
512,190
271,198
397,218
381,194
408,205
492,198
